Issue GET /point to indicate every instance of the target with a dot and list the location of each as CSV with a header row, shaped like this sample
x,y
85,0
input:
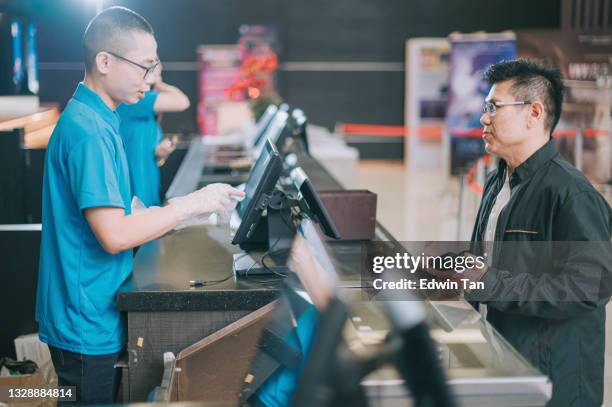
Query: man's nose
x,y
485,119
150,79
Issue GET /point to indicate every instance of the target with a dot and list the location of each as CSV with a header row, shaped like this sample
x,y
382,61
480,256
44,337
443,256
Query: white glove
x,y
198,220
138,207
214,198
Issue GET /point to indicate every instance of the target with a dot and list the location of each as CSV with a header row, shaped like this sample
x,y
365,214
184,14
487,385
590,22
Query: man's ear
x,y
103,62
536,114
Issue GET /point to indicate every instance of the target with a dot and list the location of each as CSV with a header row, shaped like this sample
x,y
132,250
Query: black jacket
x,y
548,299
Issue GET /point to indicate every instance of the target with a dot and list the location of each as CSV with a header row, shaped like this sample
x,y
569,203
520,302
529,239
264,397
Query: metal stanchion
x,y
578,145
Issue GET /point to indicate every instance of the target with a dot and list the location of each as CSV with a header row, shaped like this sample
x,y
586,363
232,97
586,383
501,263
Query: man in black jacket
x,y
546,232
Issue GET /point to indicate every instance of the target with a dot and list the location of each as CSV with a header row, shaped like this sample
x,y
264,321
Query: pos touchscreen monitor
x,y
273,131
309,195
261,183
260,128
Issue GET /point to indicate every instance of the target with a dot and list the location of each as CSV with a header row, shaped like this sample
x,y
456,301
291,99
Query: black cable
x,y
246,274
267,254
263,262
208,283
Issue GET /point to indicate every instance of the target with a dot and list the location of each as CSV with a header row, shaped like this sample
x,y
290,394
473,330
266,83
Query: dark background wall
x,y
309,31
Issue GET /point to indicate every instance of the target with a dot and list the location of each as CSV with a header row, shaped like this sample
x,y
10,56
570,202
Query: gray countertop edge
x,y
195,300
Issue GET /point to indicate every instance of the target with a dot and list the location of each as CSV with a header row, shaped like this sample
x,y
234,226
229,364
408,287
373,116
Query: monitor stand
x,y
274,232
272,238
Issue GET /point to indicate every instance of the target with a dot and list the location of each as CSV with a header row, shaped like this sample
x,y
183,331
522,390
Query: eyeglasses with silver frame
x,y
491,107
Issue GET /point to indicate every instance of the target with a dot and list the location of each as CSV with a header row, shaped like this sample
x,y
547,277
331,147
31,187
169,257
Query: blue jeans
x,y
95,377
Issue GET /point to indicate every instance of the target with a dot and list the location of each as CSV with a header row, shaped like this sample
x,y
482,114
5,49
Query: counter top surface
x,y
163,268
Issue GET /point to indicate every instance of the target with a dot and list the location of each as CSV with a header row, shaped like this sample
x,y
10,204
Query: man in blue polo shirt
x,y
87,228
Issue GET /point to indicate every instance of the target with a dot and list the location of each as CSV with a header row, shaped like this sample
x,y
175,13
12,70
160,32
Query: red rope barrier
x,y
376,130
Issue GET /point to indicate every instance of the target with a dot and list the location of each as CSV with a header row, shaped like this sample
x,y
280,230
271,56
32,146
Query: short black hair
x,y
532,81
109,31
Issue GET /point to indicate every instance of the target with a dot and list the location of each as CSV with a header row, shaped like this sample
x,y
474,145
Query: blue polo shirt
x,y
141,134
278,390
85,167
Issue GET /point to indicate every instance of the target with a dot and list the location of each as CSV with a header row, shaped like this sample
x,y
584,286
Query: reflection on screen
x,y
254,180
262,125
272,132
310,234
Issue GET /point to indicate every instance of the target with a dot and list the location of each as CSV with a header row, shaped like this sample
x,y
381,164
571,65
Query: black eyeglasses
x,y
148,69
491,107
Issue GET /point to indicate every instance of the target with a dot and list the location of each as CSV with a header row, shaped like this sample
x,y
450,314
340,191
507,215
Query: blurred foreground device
x,y
332,375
